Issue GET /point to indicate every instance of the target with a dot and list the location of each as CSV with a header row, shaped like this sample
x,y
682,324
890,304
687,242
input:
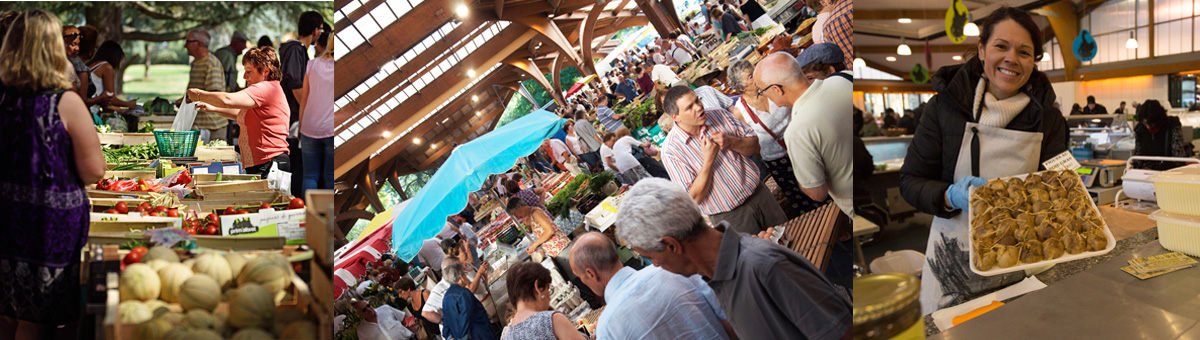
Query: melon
x,y
177,333
133,311
154,329
236,262
265,272
160,252
198,318
285,316
157,263
251,306
199,291
204,334
213,265
172,277
156,305
299,330
252,333
139,282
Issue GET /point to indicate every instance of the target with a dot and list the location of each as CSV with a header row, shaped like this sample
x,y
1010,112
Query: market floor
x,y
912,233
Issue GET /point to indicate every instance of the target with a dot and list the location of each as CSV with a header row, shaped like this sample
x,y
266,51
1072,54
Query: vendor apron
x,y
947,279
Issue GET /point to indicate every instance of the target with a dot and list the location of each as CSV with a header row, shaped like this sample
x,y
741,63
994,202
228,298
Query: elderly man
x,y
708,153
383,323
460,313
768,291
822,61
432,255
206,74
769,122
228,56
608,117
626,86
651,303
819,142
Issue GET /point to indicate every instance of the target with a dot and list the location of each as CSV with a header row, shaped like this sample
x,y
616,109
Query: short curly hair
x,y
265,60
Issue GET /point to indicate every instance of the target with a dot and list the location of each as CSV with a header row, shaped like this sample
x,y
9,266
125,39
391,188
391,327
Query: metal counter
x,y
1094,299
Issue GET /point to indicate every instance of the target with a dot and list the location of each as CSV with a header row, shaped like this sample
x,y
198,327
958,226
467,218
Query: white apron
x,y
947,279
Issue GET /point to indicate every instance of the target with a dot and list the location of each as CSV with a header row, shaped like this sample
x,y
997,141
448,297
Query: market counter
x,y
1094,299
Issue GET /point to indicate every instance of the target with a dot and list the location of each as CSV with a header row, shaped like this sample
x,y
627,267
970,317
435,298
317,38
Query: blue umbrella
x,y
465,171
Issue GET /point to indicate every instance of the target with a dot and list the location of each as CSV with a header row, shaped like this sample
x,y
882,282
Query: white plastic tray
x,y
1067,257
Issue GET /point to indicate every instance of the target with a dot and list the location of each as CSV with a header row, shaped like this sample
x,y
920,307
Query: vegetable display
x,y
560,205
147,127
160,105
148,150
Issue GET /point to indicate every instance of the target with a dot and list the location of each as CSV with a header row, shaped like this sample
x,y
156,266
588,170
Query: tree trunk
x,y
147,74
107,20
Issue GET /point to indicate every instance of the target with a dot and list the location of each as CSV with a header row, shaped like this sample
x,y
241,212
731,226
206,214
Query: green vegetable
x,y
600,180
161,106
147,127
148,150
561,204
103,128
761,30
217,142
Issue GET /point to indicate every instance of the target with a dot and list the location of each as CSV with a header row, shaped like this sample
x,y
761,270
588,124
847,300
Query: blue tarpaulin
x,y
463,172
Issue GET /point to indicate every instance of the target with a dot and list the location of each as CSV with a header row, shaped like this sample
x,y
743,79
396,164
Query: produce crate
x,y
223,177
269,196
137,138
130,174
209,188
111,139
176,144
203,241
322,286
216,167
284,223
319,224
219,153
93,193
104,226
141,164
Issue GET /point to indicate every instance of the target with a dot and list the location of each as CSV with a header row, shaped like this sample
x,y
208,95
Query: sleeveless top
x,y
539,326
99,84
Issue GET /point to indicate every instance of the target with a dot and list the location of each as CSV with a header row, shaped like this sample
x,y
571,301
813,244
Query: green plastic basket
x,y
176,144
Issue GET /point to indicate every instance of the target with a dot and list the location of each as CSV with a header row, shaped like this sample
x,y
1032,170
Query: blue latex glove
x,y
959,194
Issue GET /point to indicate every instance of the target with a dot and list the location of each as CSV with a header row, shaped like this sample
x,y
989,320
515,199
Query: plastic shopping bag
x,y
279,179
185,117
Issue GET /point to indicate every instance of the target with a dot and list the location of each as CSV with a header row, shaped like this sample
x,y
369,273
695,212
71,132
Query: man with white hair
x,y
206,74
452,272
651,303
383,323
708,153
818,139
766,290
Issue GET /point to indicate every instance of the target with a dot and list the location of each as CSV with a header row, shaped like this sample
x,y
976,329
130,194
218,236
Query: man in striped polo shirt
x,y
708,154
207,74
608,117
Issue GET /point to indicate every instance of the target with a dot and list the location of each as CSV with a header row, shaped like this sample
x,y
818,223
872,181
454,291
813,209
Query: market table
x,y
1094,299
813,234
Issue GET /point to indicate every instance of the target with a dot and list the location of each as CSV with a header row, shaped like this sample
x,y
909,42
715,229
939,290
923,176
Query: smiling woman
x,y
989,115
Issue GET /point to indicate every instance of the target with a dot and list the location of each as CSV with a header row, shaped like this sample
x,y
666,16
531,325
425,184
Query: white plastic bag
x,y
185,117
279,179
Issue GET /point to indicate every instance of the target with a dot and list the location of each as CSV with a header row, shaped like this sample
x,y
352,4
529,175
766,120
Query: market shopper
x,y
532,196
818,139
293,65
382,323
1158,135
766,290
407,289
316,118
993,116
839,30
207,74
228,56
550,241
1092,108
529,290
651,303
102,72
53,150
588,139
260,111
821,61
431,255
79,70
708,153
607,116
625,165
463,316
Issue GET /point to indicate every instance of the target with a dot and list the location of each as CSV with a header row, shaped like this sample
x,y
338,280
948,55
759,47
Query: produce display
x,y
148,150
1042,217
199,299
160,106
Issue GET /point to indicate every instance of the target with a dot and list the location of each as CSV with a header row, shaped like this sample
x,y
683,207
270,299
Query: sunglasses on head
x,y
71,36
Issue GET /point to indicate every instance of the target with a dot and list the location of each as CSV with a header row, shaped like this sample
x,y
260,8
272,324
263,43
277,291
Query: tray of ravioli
x,y
1034,220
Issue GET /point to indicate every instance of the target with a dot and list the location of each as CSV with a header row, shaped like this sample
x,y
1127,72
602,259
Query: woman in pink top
x,y
316,117
260,110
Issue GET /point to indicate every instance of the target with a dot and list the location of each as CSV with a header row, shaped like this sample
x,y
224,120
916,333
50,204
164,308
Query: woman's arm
x,y
303,98
238,100
220,111
921,184
545,224
108,77
77,120
564,329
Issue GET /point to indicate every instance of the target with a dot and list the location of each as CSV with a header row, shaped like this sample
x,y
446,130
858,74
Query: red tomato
x,y
229,211
142,210
265,206
141,250
122,208
211,229
243,212
132,257
111,211
191,230
296,203
160,209
153,213
146,204
296,267
212,218
173,212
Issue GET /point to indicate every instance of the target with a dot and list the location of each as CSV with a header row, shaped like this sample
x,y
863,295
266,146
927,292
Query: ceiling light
x,y
957,57
903,49
470,73
474,98
462,10
859,63
1132,42
387,134
905,21
478,113
970,29
433,146
890,58
417,141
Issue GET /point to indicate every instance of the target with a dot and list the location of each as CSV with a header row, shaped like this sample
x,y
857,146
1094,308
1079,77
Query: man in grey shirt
x,y
589,138
766,290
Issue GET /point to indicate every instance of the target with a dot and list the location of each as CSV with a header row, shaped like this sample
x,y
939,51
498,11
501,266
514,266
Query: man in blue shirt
x,y
651,303
608,117
626,86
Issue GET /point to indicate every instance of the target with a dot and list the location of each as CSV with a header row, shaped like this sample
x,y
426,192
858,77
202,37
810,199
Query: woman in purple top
x,y
52,151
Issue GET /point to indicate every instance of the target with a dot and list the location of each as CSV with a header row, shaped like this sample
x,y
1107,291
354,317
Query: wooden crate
x,y
220,153
236,243
110,166
322,284
319,225
100,227
137,138
211,188
93,193
234,177
111,139
261,196
130,174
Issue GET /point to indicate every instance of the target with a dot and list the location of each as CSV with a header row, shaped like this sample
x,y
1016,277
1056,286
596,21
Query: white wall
x,y
1111,92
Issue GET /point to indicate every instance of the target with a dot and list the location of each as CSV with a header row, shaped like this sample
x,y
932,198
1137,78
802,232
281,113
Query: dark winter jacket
x,y
929,165
1168,142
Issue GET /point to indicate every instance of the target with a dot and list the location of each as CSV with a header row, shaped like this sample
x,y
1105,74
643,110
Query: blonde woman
x,y
316,117
52,152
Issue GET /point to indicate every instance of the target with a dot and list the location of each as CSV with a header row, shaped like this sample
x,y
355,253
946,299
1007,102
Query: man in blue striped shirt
x,y
610,119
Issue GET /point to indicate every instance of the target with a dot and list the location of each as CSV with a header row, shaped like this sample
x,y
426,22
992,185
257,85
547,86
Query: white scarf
x,y
997,113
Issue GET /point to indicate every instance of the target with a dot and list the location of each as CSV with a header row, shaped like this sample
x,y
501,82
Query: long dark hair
x,y
1152,113
111,52
988,25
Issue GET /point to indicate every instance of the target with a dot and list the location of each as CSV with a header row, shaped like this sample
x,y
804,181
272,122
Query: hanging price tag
x,y
1064,161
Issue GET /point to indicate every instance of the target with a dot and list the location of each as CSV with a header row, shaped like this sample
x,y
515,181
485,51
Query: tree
x,y
519,107
166,21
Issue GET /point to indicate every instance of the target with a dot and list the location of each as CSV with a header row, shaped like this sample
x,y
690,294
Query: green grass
x,y
167,81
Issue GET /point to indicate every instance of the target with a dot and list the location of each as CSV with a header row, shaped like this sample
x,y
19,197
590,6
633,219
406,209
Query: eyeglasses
x,y
760,92
71,36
